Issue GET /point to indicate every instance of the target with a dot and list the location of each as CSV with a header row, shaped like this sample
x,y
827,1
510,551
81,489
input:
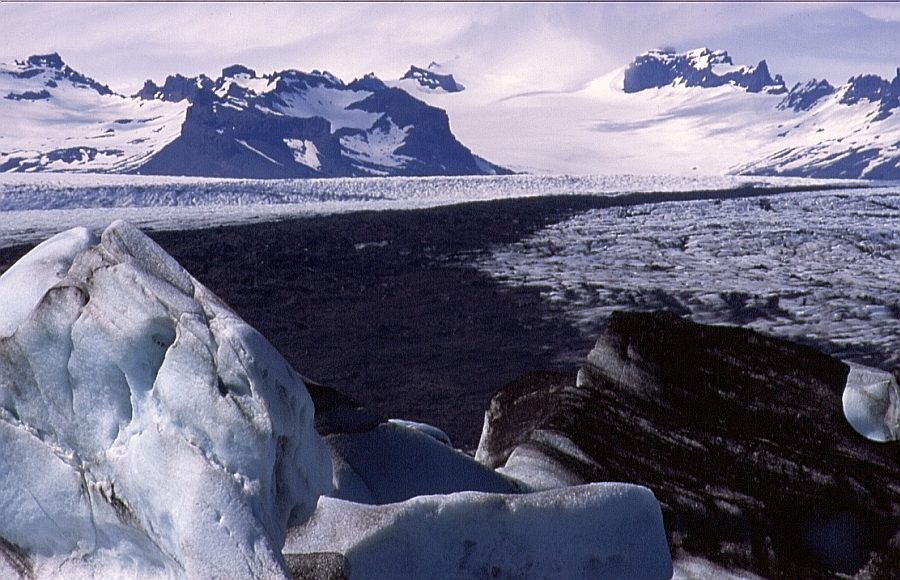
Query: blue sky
x,y
555,46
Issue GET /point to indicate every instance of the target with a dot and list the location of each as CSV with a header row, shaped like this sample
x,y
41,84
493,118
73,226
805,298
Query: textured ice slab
x,y
145,429
872,403
605,530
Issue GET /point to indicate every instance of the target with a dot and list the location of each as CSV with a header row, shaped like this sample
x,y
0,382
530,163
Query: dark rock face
x,y
697,68
29,96
318,566
220,141
741,437
176,88
433,80
865,87
874,89
804,97
369,82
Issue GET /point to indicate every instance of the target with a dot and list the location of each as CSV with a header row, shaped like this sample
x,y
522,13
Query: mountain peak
x,y
51,69
51,60
700,67
238,70
803,97
429,79
369,82
176,88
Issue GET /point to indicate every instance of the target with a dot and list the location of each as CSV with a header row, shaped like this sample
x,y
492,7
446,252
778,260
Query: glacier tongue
x,y
145,429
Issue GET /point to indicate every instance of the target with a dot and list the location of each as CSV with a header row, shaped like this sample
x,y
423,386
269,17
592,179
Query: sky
x,y
508,46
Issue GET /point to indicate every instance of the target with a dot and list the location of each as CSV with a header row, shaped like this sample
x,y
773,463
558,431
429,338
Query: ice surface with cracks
x,y
820,267
145,429
603,530
37,205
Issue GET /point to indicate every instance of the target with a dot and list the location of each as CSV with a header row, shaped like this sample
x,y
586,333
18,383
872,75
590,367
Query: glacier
x,y
38,205
816,267
145,429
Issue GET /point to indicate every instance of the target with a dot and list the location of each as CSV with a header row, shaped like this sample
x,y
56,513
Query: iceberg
x,y
145,429
871,402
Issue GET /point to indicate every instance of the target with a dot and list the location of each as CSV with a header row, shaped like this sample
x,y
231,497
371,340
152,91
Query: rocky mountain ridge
x,y
815,129
241,124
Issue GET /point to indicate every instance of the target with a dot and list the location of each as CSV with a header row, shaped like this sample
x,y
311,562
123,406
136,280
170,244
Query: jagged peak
x,y
428,78
51,60
804,96
369,82
175,88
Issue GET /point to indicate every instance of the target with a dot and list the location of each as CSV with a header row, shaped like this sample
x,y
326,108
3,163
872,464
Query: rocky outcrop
x,y
176,88
294,124
804,97
430,79
742,438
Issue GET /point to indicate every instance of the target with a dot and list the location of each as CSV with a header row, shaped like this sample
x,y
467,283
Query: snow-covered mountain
x,y
691,113
687,113
698,68
53,118
849,131
284,124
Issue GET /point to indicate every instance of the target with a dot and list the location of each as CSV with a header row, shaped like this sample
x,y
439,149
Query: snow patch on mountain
x,y
305,152
330,103
377,149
